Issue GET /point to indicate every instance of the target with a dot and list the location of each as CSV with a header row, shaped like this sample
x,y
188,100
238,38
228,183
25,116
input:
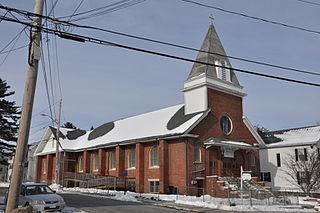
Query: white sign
x,y
246,176
228,153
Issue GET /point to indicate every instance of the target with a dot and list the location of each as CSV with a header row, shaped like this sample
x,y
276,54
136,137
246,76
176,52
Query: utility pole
x,y
57,145
27,105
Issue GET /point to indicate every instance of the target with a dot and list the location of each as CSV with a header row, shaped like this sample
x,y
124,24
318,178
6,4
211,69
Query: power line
x,y
104,42
14,40
46,81
14,49
104,9
253,17
74,12
176,45
309,2
81,38
116,8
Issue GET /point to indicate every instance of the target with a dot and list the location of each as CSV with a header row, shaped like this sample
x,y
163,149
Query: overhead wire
x,y
74,12
103,10
46,82
81,38
14,41
17,48
253,17
181,46
120,7
309,2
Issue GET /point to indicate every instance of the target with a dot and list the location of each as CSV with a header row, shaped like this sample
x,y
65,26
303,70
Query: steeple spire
x,y
202,78
212,44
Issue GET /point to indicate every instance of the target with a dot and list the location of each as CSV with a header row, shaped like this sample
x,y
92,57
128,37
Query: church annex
x,y
184,148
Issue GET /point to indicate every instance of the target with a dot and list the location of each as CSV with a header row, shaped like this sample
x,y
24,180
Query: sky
x,y
98,84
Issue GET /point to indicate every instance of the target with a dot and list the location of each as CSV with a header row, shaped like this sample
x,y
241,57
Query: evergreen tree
x,y
9,116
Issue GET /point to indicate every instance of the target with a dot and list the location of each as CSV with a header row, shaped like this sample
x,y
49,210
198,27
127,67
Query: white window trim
x,y
153,180
200,156
155,166
231,124
132,167
80,169
115,165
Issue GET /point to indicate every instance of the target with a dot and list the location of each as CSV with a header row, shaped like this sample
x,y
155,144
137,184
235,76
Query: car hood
x,y
45,197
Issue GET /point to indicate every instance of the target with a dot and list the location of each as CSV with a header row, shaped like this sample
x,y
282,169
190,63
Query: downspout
x,y
187,165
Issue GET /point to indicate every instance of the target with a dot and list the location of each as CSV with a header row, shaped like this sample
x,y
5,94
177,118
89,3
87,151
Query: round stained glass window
x,y
226,125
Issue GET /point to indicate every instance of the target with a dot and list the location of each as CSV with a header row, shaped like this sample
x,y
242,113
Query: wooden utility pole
x,y
27,105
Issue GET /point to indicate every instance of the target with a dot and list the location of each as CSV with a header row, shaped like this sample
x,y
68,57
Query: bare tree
x,y
303,169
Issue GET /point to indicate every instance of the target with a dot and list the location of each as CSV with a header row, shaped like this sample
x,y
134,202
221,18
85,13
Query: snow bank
x,y
205,202
4,184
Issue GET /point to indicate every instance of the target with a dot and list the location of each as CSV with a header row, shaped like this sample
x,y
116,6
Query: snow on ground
x,y
310,204
3,184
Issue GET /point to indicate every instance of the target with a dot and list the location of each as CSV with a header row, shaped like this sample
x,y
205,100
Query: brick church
x,y
183,147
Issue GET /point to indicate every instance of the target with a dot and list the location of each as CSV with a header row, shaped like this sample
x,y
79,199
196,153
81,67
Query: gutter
x,y
129,142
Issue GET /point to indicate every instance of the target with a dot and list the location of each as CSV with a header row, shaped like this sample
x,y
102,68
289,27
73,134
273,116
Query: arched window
x,y
44,166
94,161
132,158
226,125
112,160
80,163
197,155
154,157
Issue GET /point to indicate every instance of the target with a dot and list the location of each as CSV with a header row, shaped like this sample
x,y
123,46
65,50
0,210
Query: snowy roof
x,y
292,137
165,122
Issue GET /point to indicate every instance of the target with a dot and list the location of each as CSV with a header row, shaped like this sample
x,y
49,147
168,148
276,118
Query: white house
x,y
278,145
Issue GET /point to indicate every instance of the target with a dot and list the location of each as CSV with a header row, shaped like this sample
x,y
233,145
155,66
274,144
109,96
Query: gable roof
x,y
292,137
211,44
170,121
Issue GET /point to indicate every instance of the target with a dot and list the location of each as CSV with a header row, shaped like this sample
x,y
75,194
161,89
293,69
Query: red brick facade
x,y
176,163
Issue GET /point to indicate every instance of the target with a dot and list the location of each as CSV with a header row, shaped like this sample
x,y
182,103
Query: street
x,y
100,205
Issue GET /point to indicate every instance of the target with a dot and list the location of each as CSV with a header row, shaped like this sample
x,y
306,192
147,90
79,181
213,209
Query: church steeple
x,y
212,44
203,77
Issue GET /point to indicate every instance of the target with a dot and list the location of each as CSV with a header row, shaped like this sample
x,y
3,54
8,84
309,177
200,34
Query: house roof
x,y
292,137
170,121
211,44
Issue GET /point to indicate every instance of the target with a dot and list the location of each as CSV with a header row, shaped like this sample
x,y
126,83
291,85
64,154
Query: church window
x,y
44,166
80,163
132,158
94,159
197,155
112,160
226,125
154,157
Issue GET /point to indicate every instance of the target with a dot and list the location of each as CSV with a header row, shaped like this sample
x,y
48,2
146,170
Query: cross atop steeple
x,y
211,18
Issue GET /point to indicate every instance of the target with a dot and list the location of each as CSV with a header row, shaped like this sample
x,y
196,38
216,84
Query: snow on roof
x,y
228,143
297,136
164,122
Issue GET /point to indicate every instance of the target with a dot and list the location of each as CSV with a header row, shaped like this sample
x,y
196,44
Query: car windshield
x,y
38,189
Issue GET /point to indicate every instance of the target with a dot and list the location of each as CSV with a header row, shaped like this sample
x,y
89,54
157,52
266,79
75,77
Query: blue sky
x,y
104,83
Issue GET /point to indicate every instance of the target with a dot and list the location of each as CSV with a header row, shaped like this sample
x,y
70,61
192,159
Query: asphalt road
x,y
101,205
